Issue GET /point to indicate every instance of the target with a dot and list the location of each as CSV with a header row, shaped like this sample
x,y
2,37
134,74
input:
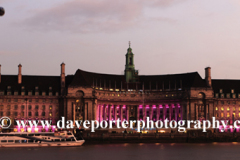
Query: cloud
x,y
93,16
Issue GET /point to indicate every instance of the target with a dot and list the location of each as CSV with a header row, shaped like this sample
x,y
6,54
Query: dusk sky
x,y
167,36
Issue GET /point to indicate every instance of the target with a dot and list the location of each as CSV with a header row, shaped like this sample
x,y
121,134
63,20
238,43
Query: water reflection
x,y
128,151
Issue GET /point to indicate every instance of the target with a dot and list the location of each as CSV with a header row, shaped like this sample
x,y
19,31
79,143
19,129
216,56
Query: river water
x,y
127,151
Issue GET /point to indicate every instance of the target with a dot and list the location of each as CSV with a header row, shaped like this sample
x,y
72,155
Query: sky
x,y
167,36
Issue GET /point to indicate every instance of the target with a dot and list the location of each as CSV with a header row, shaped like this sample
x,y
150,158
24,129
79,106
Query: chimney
x,y
62,78
0,74
19,74
208,76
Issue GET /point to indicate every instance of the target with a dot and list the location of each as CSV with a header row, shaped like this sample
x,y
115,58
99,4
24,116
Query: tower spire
x,y
129,44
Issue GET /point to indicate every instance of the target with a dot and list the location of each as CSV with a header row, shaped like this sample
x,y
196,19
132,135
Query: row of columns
x,y
154,112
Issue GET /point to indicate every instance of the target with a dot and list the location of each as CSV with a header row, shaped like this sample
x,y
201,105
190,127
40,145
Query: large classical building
x,y
94,96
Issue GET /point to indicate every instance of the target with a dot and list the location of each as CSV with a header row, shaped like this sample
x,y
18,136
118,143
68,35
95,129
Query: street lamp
x,y
2,11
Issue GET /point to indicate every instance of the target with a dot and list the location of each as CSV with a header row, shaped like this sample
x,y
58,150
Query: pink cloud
x,y
93,16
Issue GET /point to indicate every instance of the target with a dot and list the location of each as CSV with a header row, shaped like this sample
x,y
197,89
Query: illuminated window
x,y
228,115
238,114
50,107
222,108
50,114
216,108
43,93
22,93
220,90
228,95
233,114
232,90
216,95
222,95
234,108
234,95
228,109
29,93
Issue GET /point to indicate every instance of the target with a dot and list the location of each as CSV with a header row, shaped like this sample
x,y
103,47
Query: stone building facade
x,y
95,96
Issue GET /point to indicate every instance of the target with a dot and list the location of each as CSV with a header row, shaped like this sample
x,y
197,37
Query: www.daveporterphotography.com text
x,y
181,125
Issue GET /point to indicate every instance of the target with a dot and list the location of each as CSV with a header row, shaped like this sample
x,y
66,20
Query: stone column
x,y
176,112
121,112
109,112
127,110
144,113
100,112
170,112
104,111
74,113
115,110
138,112
151,112
196,108
157,110
164,112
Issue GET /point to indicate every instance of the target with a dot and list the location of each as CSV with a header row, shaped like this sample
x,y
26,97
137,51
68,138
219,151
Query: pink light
x,y
154,106
160,106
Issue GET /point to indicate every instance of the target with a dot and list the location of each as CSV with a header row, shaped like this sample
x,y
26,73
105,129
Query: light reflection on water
x,y
127,151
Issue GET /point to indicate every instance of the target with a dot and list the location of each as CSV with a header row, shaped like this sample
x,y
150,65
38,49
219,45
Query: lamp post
x,y
2,11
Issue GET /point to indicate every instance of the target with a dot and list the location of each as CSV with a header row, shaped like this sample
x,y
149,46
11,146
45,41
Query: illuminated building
x,y
94,96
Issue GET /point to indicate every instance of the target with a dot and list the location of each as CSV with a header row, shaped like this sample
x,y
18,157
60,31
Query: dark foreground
x,y
140,151
101,137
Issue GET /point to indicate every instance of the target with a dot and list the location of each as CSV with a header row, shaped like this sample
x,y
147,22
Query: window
x,y
36,100
43,93
216,95
9,100
29,107
8,107
50,93
234,109
44,100
222,102
1,93
1,107
50,114
36,107
15,114
56,93
8,93
216,108
43,107
29,93
228,108
43,113
232,90
36,93
29,113
22,114
15,93
222,108
22,107
16,107
228,95
220,91
50,107
22,93
228,115
222,95
15,100
8,113
234,95
50,88
30,100
36,88
234,114
222,115
36,113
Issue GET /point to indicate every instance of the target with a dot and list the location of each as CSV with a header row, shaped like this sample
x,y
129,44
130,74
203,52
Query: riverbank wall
x,y
99,137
